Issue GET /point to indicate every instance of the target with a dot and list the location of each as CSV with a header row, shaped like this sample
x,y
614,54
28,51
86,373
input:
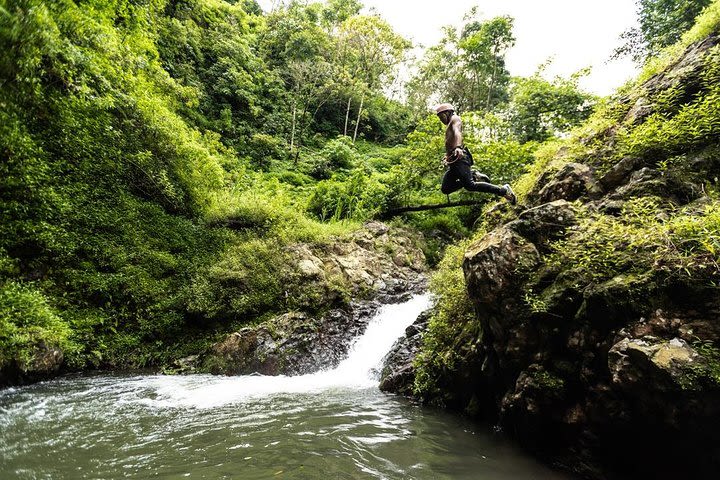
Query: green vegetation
x,y
160,159
649,234
654,236
131,135
452,327
662,23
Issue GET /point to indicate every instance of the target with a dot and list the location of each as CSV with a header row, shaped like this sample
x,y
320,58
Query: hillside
x,y
584,321
152,189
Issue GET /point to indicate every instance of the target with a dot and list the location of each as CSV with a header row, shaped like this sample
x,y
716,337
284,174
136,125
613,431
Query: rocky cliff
x,y
595,333
339,283
376,265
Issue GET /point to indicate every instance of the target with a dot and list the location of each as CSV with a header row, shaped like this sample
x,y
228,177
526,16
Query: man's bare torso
x,y
453,135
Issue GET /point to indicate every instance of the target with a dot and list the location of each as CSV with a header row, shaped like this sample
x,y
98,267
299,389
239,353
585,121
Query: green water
x,y
185,427
333,424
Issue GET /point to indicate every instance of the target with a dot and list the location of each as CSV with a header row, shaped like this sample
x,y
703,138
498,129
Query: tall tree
x,y
661,23
467,69
372,51
484,45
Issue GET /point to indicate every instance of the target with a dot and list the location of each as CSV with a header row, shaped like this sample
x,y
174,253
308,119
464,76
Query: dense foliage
x,y
657,237
661,23
158,157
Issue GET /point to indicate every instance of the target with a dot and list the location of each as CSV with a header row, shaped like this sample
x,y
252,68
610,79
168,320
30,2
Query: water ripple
x,y
330,425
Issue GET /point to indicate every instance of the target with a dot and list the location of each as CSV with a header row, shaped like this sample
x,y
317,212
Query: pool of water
x,y
329,425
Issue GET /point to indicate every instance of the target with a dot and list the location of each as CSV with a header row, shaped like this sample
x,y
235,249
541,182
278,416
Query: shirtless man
x,y
457,159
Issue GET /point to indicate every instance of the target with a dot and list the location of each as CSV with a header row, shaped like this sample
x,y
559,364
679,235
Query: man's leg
x,y
450,182
464,172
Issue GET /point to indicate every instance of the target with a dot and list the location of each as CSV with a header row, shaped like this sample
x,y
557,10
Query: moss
x,y
547,380
703,374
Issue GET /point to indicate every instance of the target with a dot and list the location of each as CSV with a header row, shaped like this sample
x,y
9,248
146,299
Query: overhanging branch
x,y
419,208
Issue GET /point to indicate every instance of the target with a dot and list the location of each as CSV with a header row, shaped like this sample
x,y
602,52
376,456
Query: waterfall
x,y
357,371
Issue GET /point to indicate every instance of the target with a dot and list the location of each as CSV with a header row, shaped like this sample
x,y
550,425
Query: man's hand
x,y
458,153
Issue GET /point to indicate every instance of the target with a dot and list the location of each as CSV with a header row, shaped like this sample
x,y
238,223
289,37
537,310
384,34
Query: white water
x,y
331,424
358,371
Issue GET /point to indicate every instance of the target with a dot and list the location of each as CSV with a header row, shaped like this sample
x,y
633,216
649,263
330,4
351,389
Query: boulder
x,y
651,366
545,223
493,268
398,372
44,361
619,173
573,181
290,344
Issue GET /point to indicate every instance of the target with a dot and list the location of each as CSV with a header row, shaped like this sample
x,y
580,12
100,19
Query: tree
x,y
662,23
308,80
484,45
466,69
371,51
335,12
540,109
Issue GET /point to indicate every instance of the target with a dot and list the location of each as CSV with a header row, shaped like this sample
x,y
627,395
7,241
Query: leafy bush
x,y
263,149
360,196
26,321
337,154
249,279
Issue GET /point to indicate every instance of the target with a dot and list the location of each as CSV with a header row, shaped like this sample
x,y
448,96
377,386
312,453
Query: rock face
x,y
375,261
398,373
45,362
611,376
296,343
602,373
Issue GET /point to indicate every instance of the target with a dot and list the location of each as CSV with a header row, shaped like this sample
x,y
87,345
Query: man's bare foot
x,y
509,194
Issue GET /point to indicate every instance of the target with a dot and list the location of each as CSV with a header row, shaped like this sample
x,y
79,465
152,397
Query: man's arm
x,y
456,126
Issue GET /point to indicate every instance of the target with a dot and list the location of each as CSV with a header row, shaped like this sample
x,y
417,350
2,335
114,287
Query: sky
x,y
575,33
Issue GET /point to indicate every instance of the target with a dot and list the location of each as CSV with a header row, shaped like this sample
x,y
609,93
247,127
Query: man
x,y
458,160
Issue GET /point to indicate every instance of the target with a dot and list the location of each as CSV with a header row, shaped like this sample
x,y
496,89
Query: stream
x,y
333,424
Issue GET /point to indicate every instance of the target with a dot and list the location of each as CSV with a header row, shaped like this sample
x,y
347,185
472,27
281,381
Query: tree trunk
x,y
492,82
420,208
357,124
292,132
347,116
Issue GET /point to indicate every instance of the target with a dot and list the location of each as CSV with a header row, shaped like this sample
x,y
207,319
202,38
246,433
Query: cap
x,y
444,107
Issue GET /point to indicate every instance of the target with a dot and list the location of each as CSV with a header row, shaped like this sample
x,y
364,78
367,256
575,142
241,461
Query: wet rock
x,y
573,181
185,365
545,222
297,343
290,344
44,361
398,373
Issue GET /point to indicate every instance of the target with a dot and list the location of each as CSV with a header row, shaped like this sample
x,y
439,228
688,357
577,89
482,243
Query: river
x,y
334,424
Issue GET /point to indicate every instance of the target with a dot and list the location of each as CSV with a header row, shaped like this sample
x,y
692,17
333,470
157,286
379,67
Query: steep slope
x,y
589,328
131,232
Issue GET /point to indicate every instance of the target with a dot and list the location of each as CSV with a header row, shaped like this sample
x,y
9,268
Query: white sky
x,y
575,33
